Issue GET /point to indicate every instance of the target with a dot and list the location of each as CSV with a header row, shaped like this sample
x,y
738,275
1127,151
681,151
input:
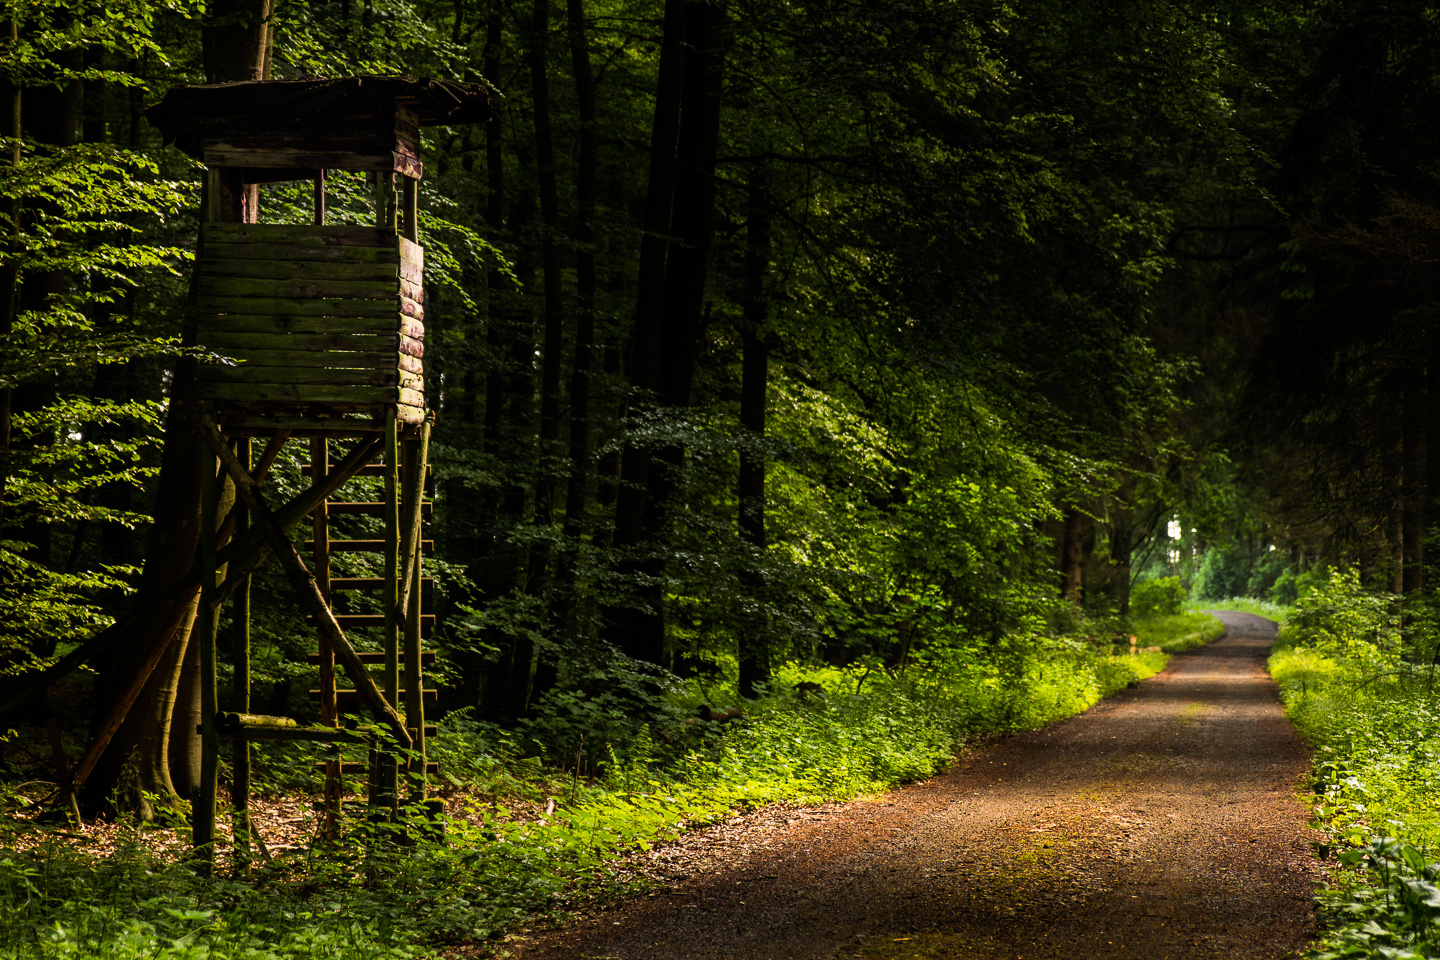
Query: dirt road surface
x,y
1163,823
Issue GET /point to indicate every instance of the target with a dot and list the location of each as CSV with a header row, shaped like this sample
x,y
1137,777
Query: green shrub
x,y
1339,618
1158,597
1375,723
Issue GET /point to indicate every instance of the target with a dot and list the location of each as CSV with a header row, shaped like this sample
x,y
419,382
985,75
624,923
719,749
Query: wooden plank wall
x,y
330,316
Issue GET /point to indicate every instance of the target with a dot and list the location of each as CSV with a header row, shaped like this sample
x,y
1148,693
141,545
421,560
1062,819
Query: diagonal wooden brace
x,y
304,583
414,504
250,553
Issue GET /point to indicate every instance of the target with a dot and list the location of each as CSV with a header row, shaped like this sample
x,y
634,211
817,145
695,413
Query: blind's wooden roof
x,y
260,110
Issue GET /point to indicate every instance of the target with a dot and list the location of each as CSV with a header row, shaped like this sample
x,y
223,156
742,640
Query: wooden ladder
x,y
403,624
397,696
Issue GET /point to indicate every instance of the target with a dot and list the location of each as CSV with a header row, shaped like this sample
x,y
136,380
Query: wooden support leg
x,y
386,786
202,809
240,697
417,453
329,713
319,198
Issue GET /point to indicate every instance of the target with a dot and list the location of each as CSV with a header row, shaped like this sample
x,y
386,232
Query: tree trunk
x,y
552,359
234,41
577,494
686,268
754,641
650,280
1122,548
564,612
521,435
1072,558
629,628
481,678
10,95
693,210
1414,495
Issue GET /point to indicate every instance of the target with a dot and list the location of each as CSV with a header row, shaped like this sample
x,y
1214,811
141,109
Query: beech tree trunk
x,y
1072,557
563,606
1414,494
637,632
754,643
12,98
137,762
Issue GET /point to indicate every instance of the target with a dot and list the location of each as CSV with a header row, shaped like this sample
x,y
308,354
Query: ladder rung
x,y
365,546
360,766
370,620
355,508
431,729
369,470
353,696
377,656
371,583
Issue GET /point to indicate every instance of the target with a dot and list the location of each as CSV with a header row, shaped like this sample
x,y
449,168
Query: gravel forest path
x,y
1162,823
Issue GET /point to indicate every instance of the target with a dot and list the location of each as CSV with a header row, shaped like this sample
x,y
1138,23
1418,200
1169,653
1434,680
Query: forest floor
x,y
1163,823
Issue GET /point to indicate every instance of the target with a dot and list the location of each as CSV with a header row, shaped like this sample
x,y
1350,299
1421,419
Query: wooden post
x,y
202,813
329,713
385,200
240,698
214,205
417,457
387,778
319,198
411,201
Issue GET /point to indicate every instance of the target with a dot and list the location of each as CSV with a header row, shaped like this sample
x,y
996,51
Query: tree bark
x,y
1414,494
521,434
1072,558
234,41
683,296
754,642
650,279
632,629
564,606
10,94
577,493
552,360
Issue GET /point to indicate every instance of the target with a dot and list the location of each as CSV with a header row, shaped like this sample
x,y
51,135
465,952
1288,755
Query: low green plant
x,y
1391,905
1375,722
1177,632
1269,609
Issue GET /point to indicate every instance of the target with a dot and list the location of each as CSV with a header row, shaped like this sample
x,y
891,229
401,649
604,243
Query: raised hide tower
x,y
323,330
323,320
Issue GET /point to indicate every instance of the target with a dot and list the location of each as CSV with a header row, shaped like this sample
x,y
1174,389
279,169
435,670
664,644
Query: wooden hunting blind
x,y
322,320
322,328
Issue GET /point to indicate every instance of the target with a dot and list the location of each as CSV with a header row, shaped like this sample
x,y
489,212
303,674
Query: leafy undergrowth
x,y
374,896
1177,632
1363,693
1261,608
